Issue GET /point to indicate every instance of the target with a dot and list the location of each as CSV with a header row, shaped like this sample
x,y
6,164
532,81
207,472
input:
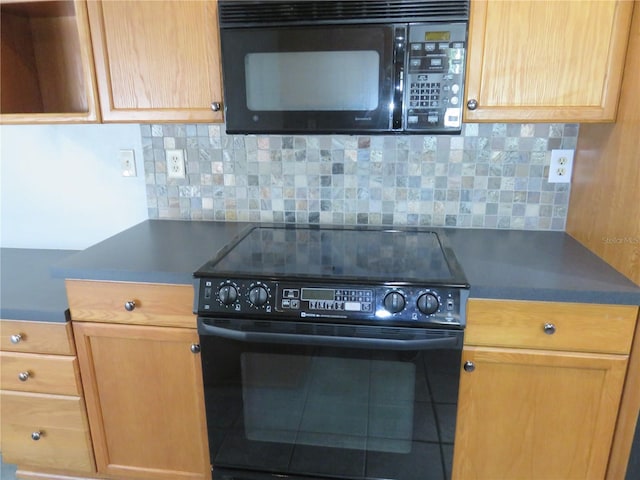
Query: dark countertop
x,y
27,289
501,264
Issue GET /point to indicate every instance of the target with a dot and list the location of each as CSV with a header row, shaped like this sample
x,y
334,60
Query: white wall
x,y
61,185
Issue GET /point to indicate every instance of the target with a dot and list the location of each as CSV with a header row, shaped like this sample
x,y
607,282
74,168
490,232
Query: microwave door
x,y
323,79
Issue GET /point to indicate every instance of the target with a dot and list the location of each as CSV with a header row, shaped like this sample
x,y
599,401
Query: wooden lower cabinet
x,y
143,389
532,403
43,421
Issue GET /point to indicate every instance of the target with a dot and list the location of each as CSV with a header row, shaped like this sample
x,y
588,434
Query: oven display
x,y
329,299
318,294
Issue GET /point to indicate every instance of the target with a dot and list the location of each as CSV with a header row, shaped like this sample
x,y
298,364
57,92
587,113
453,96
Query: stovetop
x,y
395,276
339,254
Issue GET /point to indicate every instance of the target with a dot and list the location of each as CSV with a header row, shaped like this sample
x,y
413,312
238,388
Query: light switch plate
x,y
127,163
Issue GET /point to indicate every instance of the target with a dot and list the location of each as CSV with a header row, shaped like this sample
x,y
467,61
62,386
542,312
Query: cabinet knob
x,y
195,348
24,376
130,305
17,338
37,435
472,104
549,328
216,106
469,366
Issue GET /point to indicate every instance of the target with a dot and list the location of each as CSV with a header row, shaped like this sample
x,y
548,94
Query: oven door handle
x,y
445,341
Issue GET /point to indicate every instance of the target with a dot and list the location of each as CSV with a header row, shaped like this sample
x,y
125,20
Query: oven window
x,y
347,403
323,80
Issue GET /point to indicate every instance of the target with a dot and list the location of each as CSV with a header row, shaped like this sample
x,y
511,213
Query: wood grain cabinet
x,y
47,70
142,380
42,412
157,60
532,61
540,389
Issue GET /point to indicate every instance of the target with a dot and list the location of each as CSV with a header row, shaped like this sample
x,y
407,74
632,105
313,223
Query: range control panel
x,y
402,305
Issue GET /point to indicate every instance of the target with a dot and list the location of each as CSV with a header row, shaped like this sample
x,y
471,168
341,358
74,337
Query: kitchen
x,y
343,179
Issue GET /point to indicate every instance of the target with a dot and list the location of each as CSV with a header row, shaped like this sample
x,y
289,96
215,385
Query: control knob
x,y
394,302
258,296
228,294
428,303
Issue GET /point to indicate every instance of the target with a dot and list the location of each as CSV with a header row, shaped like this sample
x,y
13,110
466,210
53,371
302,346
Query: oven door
x,y
330,402
320,79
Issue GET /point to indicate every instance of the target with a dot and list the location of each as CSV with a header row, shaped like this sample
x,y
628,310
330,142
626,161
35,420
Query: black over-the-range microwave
x,y
343,66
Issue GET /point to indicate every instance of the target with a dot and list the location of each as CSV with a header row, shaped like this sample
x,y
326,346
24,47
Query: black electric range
x,y
393,277
331,353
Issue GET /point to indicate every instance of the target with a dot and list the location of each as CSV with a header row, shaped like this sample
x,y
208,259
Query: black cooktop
x,y
340,254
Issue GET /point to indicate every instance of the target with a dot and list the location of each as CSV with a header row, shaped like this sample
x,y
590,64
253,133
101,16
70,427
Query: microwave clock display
x,y
437,36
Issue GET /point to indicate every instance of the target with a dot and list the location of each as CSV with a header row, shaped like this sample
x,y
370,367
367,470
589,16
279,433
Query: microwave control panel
x,y
434,80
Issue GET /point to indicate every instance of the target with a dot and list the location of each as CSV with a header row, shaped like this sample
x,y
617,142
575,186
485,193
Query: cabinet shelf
x,y
46,63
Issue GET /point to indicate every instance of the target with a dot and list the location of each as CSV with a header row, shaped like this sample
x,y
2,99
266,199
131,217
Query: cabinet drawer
x,y
36,337
64,441
44,373
152,304
571,326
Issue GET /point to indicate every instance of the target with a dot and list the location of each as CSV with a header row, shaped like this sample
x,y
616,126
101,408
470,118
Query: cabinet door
x,y
157,60
546,61
144,396
531,414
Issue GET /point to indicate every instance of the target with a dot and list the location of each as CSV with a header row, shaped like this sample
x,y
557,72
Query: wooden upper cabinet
x,y
46,71
157,60
532,61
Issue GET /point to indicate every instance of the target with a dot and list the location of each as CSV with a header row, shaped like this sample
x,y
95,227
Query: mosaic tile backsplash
x,y
490,176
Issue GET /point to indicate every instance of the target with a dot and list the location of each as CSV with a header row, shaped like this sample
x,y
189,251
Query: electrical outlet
x,y
127,163
175,164
561,166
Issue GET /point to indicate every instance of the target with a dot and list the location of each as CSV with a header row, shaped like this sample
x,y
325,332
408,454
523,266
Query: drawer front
x,y
131,303
36,337
64,441
569,326
43,410
29,372
58,448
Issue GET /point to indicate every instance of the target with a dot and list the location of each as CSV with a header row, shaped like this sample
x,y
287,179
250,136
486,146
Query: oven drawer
x,y
28,372
551,325
131,303
45,431
37,337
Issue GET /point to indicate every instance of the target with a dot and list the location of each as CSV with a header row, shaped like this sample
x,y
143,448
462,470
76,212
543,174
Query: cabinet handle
x,y
549,328
472,104
37,435
17,338
195,348
216,106
130,305
469,366
24,376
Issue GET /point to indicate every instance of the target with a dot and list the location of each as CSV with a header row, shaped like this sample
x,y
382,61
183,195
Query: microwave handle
x,y
445,341
400,41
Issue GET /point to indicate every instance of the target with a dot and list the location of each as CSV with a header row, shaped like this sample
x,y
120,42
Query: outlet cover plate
x,y
175,163
561,166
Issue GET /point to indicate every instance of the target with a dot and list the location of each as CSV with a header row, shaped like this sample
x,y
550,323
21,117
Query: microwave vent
x,y
240,13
